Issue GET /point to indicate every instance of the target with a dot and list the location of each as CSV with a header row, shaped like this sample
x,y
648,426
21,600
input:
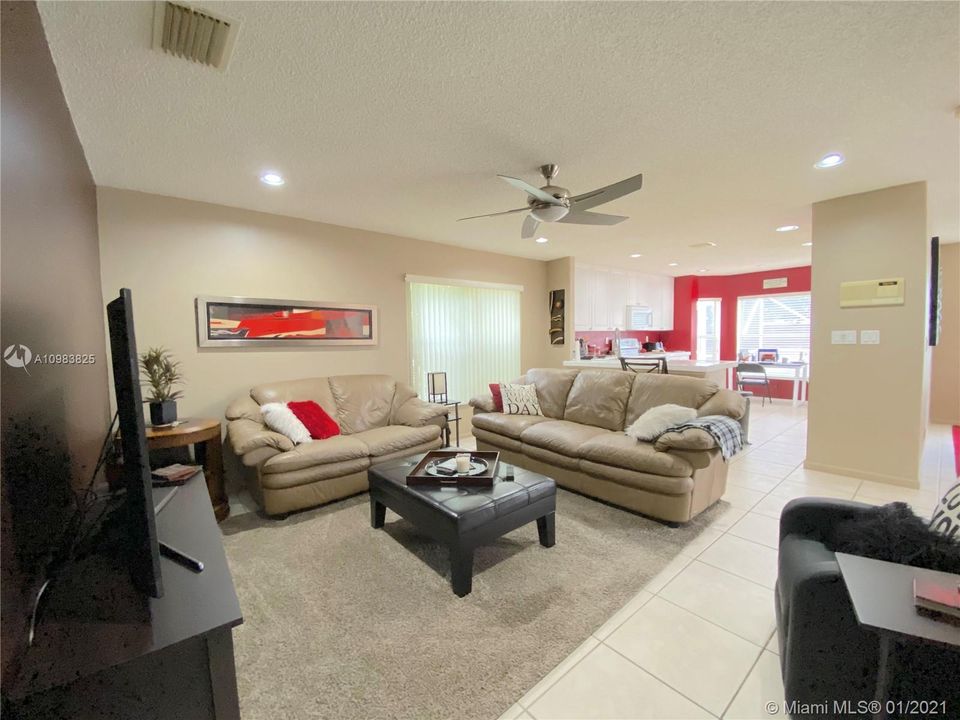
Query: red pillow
x,y
497,397
320,425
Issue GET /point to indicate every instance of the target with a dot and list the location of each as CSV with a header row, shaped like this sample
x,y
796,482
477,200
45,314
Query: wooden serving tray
x,y
419,476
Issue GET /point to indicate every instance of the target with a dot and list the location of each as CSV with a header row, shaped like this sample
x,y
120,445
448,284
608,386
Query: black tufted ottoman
x,y
464,518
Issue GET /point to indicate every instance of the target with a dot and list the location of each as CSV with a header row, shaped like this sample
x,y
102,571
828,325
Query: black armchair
x,y
824,654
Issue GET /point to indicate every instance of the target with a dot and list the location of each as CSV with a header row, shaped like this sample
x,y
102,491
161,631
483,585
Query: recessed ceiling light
x,y
673,264
788,228
542,240
635,255
272,178
829,160
702,269
807,244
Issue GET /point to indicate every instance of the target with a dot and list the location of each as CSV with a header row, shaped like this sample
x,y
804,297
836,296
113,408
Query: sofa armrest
x,y
689,439
815,518
483,403
724,402
417,413
248,435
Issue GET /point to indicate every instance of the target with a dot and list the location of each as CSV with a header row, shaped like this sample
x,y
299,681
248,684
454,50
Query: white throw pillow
x,y
657,420
281,419
946,516
520,399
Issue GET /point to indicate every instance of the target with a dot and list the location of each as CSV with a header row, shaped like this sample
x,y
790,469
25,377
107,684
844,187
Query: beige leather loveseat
x,y
380,420
579,439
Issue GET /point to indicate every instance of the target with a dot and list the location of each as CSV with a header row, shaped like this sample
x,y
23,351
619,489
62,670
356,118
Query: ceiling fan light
x,y
550,213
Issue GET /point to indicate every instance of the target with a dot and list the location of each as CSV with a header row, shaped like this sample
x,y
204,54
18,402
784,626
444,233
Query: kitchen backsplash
x,y
599,337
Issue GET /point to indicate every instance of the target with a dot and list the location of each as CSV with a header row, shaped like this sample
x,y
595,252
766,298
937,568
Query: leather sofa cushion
x,y
363,401
316,389
318,452
641,481
510,425
334,471
394,438
553,386
651,390
560,436
599,398
623,451
497,440
551,458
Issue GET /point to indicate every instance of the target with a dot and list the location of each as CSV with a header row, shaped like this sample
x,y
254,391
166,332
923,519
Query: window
x,y
471,331
708,329
777,322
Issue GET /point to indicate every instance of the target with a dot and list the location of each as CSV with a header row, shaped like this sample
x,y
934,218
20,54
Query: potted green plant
x,y
161,373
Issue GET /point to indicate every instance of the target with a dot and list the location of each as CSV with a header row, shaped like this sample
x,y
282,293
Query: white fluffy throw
x,y
657,420
281,419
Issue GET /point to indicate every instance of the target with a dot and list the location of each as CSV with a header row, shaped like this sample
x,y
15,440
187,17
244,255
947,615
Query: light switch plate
x,y
843,337
869,337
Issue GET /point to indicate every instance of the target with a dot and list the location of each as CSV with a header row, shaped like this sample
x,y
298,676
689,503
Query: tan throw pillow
x,y
520,399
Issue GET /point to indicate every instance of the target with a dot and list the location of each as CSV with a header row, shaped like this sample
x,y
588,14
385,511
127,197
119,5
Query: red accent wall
x,y
687,289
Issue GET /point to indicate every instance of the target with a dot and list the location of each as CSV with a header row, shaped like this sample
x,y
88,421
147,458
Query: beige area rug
x,y
344,622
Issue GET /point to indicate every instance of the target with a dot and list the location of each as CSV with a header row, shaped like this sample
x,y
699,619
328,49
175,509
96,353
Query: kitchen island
x,y
720,372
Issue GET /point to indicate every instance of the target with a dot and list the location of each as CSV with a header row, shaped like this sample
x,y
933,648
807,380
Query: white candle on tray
x,y
463,462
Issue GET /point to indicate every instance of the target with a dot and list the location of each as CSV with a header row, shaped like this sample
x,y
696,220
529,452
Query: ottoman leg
x,y
378,513
546,528
461,570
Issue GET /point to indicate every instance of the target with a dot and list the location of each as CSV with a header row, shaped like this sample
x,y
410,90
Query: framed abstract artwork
x,y
259,322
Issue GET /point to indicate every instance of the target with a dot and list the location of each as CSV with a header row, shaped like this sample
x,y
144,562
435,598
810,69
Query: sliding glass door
x,y
470,331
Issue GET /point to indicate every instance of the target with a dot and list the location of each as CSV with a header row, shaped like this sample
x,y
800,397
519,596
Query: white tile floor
x,y
699,641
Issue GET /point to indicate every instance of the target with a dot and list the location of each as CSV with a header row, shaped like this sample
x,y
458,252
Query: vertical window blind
x,y
781,322
470,332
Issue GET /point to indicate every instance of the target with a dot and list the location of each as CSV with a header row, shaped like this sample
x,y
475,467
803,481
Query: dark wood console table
x,y
104,651
204,435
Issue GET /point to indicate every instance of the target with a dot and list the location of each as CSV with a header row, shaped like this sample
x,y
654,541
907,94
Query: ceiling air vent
x,y
193,34
704,245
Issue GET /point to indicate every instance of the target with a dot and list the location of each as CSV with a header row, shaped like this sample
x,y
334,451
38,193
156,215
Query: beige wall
x,y
945,373
168,251
50,303
560,277
867,412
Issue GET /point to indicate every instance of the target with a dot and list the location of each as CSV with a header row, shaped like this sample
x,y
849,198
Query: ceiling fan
x,y
552,203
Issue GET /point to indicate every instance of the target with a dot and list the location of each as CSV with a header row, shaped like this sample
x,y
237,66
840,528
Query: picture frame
x,y
936,294
224,321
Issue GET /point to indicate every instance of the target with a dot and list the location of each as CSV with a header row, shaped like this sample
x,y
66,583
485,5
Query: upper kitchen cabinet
x,y
602,295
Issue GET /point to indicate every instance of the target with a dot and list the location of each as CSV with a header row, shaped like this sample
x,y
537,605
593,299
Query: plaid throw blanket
x,y
726,431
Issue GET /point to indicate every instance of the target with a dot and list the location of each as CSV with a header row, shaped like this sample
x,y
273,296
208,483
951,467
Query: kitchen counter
x,y
719,372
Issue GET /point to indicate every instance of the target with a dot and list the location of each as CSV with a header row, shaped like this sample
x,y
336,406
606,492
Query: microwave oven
x,y
639,317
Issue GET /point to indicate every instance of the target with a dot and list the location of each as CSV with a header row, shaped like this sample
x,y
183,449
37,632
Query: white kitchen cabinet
x,y
601,297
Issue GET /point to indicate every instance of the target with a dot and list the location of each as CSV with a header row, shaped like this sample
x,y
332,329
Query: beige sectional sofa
x,y
579,439
380,420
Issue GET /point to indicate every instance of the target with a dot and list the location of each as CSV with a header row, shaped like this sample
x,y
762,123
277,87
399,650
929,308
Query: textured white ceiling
x,y
396,116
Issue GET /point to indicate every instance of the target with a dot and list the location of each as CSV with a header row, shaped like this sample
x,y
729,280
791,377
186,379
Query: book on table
x,y
176,474
936,597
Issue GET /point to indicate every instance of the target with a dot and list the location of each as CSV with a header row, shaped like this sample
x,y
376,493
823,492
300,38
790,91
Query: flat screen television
x,y
141,546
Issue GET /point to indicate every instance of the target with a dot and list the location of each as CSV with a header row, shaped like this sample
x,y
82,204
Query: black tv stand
x,y
172,658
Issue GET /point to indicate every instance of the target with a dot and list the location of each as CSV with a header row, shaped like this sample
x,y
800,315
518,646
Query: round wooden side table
x,y
204,435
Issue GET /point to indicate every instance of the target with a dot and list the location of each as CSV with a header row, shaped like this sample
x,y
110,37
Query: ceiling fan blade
x,y
591,218
531,190
505,212
530,225
603,195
